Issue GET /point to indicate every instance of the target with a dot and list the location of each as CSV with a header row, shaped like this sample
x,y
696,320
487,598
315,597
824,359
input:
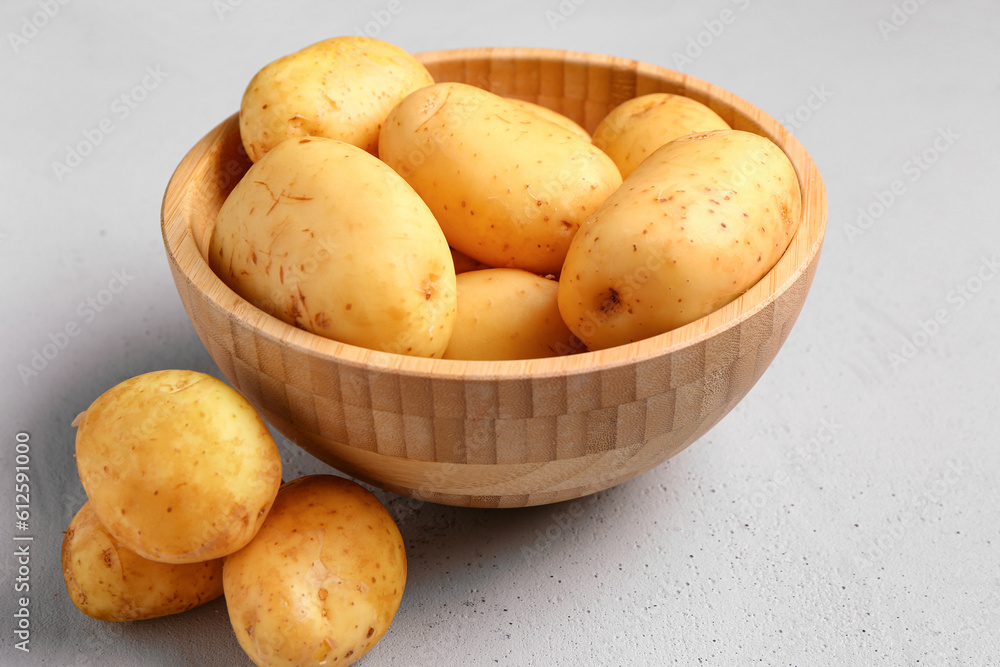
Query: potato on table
x,y
109,582
340,88
508,314
637,127
321,581
177,465
508,187
325,237
693,227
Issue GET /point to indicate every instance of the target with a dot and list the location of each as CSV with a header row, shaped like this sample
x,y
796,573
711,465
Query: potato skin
x,y
321,581
508,314
552,116
177,465
109,582
464,263
325,237
637,127
508,188
694,226
341,88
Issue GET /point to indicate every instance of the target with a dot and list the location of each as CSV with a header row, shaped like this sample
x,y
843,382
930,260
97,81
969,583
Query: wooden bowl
x,y
509,433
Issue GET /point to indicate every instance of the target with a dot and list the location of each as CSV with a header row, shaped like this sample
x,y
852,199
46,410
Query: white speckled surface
x,y
847,512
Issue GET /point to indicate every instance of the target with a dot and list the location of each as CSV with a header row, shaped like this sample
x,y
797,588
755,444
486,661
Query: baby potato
x,y
325,237
321,581
694,226
552,116
508,314
637,127
340,88
177,465
464,263
508,188
109,582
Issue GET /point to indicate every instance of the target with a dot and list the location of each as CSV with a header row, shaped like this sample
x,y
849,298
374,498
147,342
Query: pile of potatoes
x,y
437,219
185,504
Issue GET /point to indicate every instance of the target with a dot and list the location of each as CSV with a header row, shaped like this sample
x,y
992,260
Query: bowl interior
x,y
585,87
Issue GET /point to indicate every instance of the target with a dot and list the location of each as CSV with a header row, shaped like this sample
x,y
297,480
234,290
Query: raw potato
x,y
553,116
326,237
508,187
177,465
508,314
341,88
321,582
109,582
637,127
694,226
464,263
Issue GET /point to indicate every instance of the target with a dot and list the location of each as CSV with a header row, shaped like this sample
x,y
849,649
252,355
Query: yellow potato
x,y
637,127
340,88
326,237
109,582
177,465
507,187
321,582
693,227
508,314
552,116
464,263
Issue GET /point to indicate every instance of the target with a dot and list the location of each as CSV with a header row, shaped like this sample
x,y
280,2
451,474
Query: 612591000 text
x,y
22,542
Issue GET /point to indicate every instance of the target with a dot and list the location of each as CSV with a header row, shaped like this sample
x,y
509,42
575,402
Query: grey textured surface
x,y
848,510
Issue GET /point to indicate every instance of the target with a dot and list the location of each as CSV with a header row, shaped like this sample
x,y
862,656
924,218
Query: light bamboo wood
x,y
496,434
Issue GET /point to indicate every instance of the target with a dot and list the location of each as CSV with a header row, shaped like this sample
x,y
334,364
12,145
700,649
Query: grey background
x,y
846,512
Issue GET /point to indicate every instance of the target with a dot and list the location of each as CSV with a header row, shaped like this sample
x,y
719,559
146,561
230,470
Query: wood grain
x,y
510,433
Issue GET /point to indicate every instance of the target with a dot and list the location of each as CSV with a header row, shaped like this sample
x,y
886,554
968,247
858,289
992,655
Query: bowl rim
x,y
185,256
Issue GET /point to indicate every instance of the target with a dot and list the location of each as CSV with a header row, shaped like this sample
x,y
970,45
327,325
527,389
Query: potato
x,y
637,127
326,237
552,116
321,582
694,226
508,314
177,466
464,263
509,189
109,582
340,88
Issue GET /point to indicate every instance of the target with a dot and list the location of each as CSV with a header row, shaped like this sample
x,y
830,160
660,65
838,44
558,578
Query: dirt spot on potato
x,y
609,302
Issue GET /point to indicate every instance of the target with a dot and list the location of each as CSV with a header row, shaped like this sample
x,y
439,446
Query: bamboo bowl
x,y
496,434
